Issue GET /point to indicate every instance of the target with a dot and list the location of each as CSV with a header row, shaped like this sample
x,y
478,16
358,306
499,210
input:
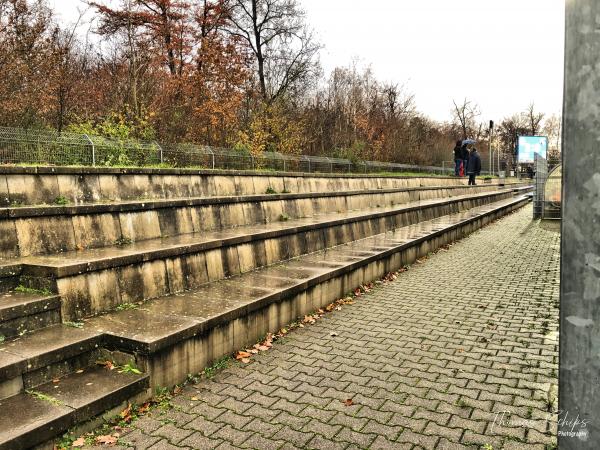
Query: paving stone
x,y
198,440
165,445
172,433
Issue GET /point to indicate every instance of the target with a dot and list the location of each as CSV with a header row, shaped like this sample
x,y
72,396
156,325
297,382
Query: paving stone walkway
x,y
458,352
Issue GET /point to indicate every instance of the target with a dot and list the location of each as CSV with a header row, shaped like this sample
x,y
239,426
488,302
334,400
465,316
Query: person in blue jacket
x,y
473,166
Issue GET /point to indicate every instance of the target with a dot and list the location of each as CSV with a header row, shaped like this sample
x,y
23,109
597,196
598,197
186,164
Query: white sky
x,y
503,54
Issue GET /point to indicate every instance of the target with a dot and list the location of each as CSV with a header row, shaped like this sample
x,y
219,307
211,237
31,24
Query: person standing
x,y
473,166
457,158
464,154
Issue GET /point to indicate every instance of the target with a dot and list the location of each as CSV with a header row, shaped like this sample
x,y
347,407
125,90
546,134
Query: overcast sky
x,y
502,54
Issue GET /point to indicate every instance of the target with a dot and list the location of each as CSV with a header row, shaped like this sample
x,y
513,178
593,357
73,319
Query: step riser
x,y
44,234
29,186
171,365
102,290
20,325
29,380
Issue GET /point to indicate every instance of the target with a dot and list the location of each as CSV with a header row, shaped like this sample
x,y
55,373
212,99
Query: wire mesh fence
x,y
42,147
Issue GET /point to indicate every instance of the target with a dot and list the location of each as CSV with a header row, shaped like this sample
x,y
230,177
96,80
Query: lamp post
x,y
491,133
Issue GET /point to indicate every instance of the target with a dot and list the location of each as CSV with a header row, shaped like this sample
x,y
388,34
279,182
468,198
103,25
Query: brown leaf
x,y
126,413
144,408
241,355
109,365
177,390
245,360
79,442
263,348
107,439
348,402
55,380
357,292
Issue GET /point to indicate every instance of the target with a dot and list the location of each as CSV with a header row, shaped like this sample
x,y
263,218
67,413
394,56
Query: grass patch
x,y
74,324
220,364
270,190
44,397
129,368
61,200
123,241
27,290
127,306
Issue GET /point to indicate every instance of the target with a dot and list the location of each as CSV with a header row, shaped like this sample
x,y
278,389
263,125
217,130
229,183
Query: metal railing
x,y
41,147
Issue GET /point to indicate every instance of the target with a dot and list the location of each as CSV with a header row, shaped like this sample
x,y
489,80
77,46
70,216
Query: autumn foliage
x,y
242,74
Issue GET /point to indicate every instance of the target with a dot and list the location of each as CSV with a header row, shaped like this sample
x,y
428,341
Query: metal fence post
x,y
160,152
93,149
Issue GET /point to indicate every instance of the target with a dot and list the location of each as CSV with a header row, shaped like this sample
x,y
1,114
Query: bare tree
x,y
534,119
282,45
465,117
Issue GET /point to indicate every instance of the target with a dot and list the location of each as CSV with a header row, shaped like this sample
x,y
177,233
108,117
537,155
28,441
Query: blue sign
x,y
529,146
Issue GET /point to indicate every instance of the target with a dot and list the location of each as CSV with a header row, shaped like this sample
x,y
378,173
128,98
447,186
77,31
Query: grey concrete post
x,y
579,377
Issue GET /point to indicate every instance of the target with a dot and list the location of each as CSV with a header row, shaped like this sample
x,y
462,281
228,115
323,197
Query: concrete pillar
x,y
579,377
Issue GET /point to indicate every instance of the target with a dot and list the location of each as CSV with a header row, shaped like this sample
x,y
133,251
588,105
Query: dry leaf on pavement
x,y
79,442
106,440
242,355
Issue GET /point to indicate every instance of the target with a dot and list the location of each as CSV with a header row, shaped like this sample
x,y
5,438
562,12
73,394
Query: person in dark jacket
x,y
457,158
473,166
464,153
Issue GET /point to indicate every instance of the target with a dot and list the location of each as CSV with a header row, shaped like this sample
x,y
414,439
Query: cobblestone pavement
x,y
458,352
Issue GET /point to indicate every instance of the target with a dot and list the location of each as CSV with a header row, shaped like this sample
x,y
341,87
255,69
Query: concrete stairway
x,y
214,273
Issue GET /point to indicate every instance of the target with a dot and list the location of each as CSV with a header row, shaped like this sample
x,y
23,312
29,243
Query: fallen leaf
x,y
107,439
253,351
263,348
241,355
357,292
55,380
79,442
195,399
79,371
177,390
245,360
109,365
348,402
144,408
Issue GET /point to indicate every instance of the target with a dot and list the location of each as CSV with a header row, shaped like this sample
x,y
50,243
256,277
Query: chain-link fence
x,y
39,147
553,194
540,166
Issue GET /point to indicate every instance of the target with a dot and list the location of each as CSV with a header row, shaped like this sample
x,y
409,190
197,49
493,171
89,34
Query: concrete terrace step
x,y
37,185
180,334
37,357
31,418
174,335
76,262
97,280
45,210
50,229
21,312
151,327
